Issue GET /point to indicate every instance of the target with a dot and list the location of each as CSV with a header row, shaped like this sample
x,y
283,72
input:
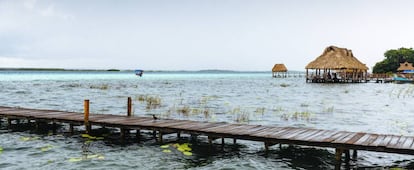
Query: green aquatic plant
x,y
1,149
242,117
101,87
153,102
46,148
329,109
284,85
260,110
185,110
297,116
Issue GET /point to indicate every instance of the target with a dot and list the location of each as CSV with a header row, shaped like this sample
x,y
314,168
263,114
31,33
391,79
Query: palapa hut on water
x,y
279,70
336,65
405,67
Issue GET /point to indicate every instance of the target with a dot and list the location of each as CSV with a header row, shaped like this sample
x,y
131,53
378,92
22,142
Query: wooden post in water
x,y
129,111
86,116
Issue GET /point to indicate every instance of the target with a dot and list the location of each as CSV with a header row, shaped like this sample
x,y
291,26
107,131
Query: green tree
x,y
392,60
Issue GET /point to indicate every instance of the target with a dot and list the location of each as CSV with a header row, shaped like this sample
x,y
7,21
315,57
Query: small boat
x,y
139,72
401,80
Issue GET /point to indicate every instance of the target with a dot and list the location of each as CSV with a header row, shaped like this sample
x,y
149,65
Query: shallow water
x,y
252,98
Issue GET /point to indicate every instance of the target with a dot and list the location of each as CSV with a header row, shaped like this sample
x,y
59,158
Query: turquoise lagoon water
x,y
236,97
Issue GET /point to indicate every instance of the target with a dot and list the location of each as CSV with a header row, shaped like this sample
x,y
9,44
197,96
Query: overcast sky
x,y
198,34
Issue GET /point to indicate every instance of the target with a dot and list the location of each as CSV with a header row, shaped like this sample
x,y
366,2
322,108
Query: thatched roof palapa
x,y
336,58
405,66
279,68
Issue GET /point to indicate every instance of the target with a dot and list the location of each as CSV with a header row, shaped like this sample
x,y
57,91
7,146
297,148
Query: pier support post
x,y
234,140
266,145
160,136
347,156
129,110
86,116
222,141
138,135
71,129
178,135
338,157
9,123
354,155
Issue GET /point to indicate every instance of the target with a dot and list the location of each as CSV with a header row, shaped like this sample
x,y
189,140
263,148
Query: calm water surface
x,y
251,98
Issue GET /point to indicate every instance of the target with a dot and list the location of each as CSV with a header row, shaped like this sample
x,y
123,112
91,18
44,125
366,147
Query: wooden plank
x,y
337,135
407,144
319,136
367,142
345,137
386,140
213,129
305,135
378,140
393,141
273,133
399,143
295,133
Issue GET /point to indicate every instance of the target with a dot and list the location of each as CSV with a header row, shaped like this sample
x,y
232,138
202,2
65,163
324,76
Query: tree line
x,y
392,60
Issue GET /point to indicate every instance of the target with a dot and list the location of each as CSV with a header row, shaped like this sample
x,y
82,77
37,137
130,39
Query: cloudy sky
x,y
197,34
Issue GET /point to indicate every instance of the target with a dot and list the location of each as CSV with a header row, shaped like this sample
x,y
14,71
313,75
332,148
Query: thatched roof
x,y
279,68
405,66
336,58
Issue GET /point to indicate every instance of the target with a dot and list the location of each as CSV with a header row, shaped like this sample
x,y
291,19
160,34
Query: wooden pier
x,y
342,141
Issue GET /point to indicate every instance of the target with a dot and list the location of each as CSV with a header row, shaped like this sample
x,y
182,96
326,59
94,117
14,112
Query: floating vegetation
x,y
185,110
101,87
87,157
297,116
25,139
1,149
304,105
284,85
242,117
184,148
91,137
329,109
46,148
260,110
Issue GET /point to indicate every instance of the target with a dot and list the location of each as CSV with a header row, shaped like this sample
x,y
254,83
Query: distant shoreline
x,y
147,71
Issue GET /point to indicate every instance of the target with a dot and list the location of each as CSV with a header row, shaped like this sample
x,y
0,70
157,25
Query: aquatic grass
x,y
305,115
101,87
260,110
242,117
284,85
329,109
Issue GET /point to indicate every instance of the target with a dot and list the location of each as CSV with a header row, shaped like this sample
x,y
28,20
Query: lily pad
x,y
164,146
166,151
75,159
187,153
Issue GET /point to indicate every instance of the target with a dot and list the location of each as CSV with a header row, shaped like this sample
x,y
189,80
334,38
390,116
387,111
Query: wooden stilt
x,y
138,135
9,122
347,156
71,129
123,134
54,127
178,135
222,141
160,136
86,116
338,155
129,110
210,140
266,145
354,155
234,140
154,134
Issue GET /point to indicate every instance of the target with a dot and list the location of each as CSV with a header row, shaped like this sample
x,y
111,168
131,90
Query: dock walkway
x,y
342,141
